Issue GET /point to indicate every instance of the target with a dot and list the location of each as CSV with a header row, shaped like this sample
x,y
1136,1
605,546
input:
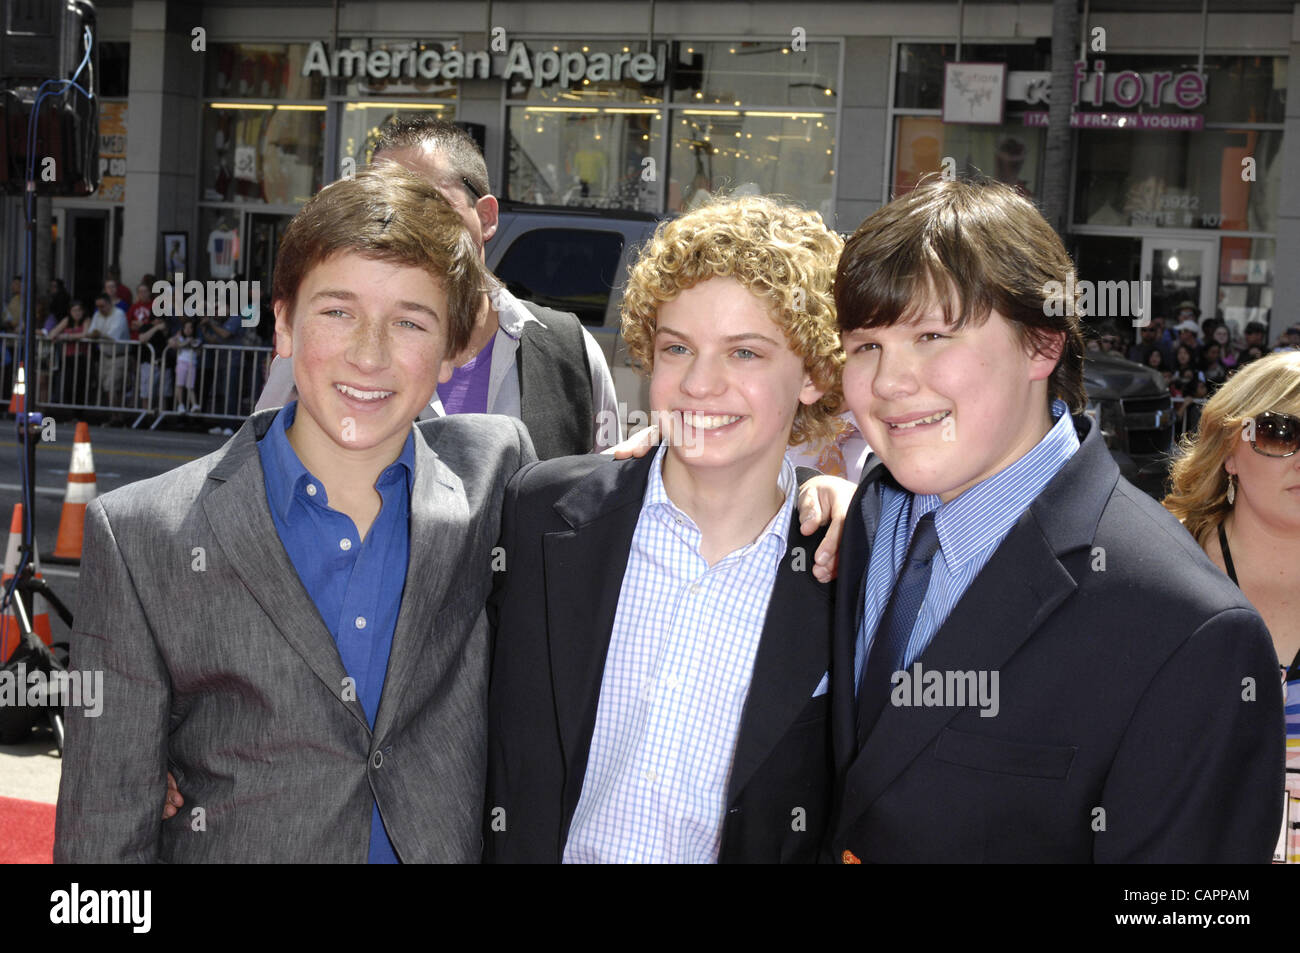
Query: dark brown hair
x,y
389,214
987,244
423,131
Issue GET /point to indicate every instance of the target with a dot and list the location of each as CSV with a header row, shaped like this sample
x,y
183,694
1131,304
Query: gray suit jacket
x,y
218,666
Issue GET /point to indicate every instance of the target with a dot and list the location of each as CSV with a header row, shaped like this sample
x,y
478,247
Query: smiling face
x,y
368,342
946,409
725,366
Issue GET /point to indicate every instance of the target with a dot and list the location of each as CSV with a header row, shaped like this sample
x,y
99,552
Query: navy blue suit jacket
x,y
1140,710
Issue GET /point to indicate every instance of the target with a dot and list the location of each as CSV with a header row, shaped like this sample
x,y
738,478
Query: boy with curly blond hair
x,y
662,650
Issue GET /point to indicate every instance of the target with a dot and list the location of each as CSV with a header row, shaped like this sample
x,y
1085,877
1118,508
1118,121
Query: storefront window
x,y
260,71
360,123
762,72
920,68
752,152
1216,179
586,156
1010,153
742,116
262,152
1246,279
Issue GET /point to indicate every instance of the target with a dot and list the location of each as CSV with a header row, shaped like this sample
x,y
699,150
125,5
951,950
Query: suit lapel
x,y
584,568
240,519
1017,590
986,627
790,662
439,523
855,552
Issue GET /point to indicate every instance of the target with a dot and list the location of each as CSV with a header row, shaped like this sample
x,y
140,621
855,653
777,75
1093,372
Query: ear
x,y
1045,355
446,368
283,330
488,212
810,393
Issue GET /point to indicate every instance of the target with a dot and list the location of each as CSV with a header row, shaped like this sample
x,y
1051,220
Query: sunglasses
x,y
1276,435
470,185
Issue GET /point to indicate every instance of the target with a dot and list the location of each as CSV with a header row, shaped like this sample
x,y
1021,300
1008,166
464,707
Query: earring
x,y
1232,488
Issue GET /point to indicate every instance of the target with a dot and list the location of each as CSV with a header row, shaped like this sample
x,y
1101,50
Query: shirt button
x,y
345,544
361,622
694,588
674,682
652,775
311,489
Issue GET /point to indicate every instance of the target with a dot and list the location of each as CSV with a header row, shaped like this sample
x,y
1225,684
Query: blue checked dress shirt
x,y
356,585
971,527
680,661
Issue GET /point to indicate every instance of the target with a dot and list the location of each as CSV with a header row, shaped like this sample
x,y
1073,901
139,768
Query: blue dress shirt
x,y
355,584
970,527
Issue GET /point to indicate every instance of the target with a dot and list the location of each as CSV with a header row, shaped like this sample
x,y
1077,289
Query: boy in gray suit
x,y
294,625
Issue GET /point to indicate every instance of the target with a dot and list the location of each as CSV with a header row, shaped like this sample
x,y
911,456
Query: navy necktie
x,y
889,647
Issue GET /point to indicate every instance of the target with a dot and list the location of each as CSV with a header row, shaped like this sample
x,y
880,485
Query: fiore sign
x,y
1126,89
541,68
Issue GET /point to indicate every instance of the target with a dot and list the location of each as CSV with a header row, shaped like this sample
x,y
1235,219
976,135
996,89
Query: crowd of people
x,y
456,651
1194,358
117,354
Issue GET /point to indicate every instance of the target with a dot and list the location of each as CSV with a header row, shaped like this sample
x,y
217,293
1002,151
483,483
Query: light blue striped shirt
x,y
970,527
681,658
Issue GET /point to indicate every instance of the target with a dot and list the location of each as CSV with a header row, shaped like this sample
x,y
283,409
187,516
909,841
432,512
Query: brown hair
x,y
389,214
1198,492
985,242
781,254
425,132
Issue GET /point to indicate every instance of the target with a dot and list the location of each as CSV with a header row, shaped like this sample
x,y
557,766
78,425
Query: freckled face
x,y
369,345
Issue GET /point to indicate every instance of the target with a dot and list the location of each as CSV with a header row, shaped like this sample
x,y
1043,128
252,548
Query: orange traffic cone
x,y
10,632
81,490
18,399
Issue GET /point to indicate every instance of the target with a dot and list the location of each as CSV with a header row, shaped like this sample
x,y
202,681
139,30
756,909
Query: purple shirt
x,y
467,391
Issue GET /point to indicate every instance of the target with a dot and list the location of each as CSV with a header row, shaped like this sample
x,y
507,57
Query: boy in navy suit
x,y
659,680
1033,660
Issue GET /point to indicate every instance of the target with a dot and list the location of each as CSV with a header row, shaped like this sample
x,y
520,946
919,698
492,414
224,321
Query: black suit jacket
x,y
566,533
1124,732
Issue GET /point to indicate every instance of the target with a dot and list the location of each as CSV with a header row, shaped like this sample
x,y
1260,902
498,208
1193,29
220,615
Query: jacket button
x,y
378,761
849,857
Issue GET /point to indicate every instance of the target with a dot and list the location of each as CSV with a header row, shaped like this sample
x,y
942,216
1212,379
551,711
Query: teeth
x,y
933,418
707,421
363,394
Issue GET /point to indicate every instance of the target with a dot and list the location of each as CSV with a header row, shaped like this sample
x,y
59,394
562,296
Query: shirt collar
x,y
511,315
287,478
656,497
988,510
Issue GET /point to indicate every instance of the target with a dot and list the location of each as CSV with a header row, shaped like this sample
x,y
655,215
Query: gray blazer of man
x,y
217,666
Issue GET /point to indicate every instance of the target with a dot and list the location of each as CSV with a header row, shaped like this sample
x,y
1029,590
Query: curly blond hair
x,y
1198,495
782,254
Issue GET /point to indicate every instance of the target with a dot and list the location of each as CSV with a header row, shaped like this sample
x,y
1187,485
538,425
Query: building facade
x,y
231,115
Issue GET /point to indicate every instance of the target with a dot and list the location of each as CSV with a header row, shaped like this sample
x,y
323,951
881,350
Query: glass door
x,y
1181,269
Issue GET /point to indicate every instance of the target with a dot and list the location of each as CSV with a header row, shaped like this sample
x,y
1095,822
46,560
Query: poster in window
x,y
974,93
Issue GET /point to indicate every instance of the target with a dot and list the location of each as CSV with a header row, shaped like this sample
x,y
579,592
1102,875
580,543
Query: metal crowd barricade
x,y
227,381
130,378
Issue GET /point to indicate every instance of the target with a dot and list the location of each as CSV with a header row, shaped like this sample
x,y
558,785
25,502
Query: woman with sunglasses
x,y
1236,487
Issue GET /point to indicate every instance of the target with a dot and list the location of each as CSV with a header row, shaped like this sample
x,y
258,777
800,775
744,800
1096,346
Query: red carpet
x,y
26,832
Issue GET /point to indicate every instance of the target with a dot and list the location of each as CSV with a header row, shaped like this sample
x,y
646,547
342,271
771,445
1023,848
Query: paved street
x,y
122,456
